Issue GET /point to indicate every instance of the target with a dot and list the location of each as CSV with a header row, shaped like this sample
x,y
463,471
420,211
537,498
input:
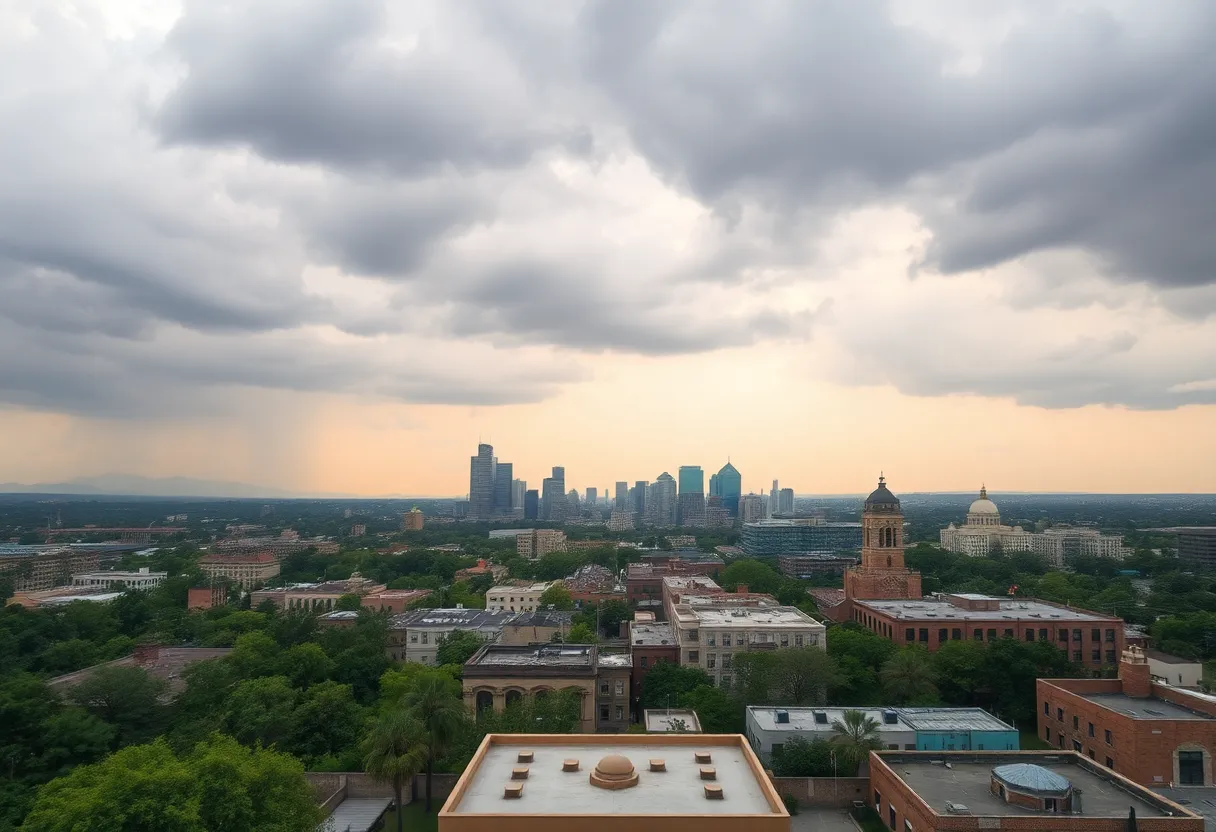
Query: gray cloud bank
x,y
176,209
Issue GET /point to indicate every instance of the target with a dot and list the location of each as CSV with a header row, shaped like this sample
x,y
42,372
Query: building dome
x,y
614,772
1032,779
983,505
881,497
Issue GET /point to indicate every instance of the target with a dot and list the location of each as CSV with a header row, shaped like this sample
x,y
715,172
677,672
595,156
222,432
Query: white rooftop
x,y
651,635
677,791
1009,609
672,720
779,617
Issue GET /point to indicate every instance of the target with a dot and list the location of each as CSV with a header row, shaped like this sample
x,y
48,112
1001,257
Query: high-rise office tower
x,y
553,496
622,496
751,507
481,483
692,479
532,504
503,474
691,508
785,501
661,501
572,502
593,497
729,485
638,496
773,505
518,489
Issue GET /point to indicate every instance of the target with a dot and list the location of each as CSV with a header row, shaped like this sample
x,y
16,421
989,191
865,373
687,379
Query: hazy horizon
x,y
326,247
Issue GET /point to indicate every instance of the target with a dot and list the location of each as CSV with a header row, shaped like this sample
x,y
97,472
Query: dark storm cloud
x,y
319,81
1078,130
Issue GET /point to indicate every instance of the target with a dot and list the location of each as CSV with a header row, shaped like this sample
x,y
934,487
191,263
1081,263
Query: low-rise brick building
x,y
1090,639
650,642
1015,791
1152,733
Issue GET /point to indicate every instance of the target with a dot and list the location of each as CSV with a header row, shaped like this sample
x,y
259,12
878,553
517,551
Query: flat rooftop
x,y
1028,610
549,655
447,618
1144,708
671,720
779,617
651,635
969,778
906,719
677,791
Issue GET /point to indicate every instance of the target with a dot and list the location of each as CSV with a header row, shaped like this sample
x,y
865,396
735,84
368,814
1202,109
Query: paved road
x,y
822,820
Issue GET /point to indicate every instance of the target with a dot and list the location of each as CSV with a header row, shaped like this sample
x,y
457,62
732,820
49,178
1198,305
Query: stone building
x,y
35,568
983,532
415,636
499,674
535,543
246,570
523,598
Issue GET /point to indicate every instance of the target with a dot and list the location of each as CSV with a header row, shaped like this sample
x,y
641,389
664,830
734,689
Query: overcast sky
x,y
328,246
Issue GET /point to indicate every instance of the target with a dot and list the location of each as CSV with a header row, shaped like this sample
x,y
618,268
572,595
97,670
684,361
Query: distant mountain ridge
x,y
133,485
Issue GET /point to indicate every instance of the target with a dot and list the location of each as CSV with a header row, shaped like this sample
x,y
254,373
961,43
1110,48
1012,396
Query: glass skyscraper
x,y
692,479
727,484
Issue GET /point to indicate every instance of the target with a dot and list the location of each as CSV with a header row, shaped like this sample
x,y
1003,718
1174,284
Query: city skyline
x,y
371,233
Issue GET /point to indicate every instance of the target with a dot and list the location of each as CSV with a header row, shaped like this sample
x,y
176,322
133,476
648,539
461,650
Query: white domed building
x,y
983,532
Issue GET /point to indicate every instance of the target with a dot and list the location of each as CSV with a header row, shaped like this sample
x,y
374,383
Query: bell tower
x,y
882,573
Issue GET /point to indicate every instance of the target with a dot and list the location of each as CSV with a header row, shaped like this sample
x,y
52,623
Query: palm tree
x,y
435,703
394,750
857,735
908,677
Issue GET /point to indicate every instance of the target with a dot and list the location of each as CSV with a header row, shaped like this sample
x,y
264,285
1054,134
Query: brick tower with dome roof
x,y
882,574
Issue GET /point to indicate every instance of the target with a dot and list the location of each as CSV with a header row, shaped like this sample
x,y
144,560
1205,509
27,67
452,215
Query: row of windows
x,y
618,685
740,639
1090,731
1076,746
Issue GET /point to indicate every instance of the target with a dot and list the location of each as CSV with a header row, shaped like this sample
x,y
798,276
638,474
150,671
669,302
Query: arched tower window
x,y
888,561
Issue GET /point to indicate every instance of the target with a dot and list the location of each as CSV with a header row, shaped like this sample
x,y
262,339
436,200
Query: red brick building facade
x,y
1151,733
644,581
882,573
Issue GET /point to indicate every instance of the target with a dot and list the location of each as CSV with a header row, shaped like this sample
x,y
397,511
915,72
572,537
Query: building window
x,y
1110,635
1030,635
785,639
1042,634
1046,708
797,639
992,634
711,639
1095,635
604,714
1008,632
924,635
620,713
1076,723
1091,729
1110,656
1063,635
711,661
1090,752
644,658
603,688
1076,634
1060,739
413,638
1076,656
877,801
1060,714
726,682
1076,746
694,635
619,687
1047,734
1110,764
424,637
956,634
978,635
694,656
1096,655
891,815
1107,732
942,635
726,661
910,634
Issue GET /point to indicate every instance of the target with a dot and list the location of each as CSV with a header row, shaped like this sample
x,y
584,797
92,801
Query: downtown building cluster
x,y
667,501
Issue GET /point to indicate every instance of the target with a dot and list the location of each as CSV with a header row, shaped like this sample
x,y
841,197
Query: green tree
x,y
126,698
856,735
718,711
581,634
908,678
667,682
261,710
73,737
437,704
305,664
394,750
799,757
349,601
611,613
220,787
789,676
255,654
458,647
756,575
557,597
327,722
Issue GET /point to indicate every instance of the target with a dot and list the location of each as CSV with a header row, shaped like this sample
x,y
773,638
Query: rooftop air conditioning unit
x,y
957,808
783,717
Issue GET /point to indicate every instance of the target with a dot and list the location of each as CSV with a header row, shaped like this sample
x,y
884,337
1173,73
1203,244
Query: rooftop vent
x,y
783,717
708,773
703,757
569,765
890,718
713,791
513,790
525,757
519,773
956,809
821,718
658,765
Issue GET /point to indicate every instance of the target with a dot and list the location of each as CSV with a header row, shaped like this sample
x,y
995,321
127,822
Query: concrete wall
x,y
836,792
326,785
